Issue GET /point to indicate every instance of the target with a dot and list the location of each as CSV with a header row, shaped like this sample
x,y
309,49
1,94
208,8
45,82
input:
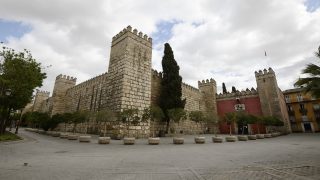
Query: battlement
x,y
156,73
42,93
265,72
94,80
65,77
206,82
133,33
243,93
187,86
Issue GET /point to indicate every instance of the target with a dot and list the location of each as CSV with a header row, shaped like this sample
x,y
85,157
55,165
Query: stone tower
x,y
39,98
208,88
271,97
129,73
61,85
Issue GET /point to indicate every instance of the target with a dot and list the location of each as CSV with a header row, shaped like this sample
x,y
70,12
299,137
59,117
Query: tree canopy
x,y
21,74
312,82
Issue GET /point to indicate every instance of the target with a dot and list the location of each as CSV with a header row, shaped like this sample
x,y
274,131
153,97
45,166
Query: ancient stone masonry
x,y
241,94
271,97
129,74
130,83
40,98
86,96
59,100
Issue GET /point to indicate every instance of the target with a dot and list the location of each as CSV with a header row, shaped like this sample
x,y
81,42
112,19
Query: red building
x,y
247,101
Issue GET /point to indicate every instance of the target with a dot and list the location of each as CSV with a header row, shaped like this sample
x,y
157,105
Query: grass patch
x,y
8,136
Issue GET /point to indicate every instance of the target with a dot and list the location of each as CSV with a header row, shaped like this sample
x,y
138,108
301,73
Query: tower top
x,y
264,73
134,34
65,77
206,82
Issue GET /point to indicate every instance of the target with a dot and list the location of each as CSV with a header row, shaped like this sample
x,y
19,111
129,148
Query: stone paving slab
x,y
295,156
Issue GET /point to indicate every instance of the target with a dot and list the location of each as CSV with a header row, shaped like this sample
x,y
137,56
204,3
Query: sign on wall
x,y
239,107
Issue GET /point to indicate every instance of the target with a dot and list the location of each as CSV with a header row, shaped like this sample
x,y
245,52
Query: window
x,y
316,106
299,98
290,108
301,106
287,97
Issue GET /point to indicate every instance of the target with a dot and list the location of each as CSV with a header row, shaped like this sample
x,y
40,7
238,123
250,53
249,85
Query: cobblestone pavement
x,y
295,156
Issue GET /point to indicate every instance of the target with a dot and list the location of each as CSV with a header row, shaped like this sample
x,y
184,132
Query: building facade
x,y
303,110
131,83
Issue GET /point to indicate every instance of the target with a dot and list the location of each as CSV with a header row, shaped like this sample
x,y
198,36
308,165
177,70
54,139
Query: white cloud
x,y
223,40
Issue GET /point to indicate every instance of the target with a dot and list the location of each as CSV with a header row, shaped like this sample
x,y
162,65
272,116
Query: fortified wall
x,y
131,83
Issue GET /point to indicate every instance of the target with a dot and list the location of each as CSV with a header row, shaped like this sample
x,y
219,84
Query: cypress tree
x,y
171,91
224,89
234,90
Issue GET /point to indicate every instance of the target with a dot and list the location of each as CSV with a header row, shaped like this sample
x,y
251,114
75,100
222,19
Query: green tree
x,y
104,117
224,89
128,117
20,73
66,119
177,115
171,91
196,116
211,118
154,114
230,118
312,82
79,117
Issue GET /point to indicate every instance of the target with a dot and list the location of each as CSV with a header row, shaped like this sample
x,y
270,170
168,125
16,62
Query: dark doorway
x,y
243,128
307,127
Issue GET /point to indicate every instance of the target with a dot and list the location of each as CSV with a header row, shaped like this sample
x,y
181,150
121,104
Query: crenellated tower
x,y
129,73
271,97
39,98
61,85
208,88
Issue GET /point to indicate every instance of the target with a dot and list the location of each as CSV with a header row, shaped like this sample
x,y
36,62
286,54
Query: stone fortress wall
x,y
131,83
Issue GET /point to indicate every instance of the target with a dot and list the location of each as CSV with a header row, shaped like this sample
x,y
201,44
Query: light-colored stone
x,y
64,135
129,140
104,140
72,136
178,140
242,137
231,138
252,137
84,138
217,139
260,136
200,140
267,135
153,140
55,134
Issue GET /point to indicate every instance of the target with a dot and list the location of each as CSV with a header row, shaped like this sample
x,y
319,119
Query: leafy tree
x,y
66,119
154,114
171,91
20,73
311,83
177,115
196,116
224,89
230,118
130,116
211,118
55,120
79,117
104,117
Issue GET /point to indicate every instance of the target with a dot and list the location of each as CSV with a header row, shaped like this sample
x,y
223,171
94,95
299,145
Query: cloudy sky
x,y
225,40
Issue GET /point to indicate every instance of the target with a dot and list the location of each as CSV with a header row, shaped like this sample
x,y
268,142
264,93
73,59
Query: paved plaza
x,y
295,156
